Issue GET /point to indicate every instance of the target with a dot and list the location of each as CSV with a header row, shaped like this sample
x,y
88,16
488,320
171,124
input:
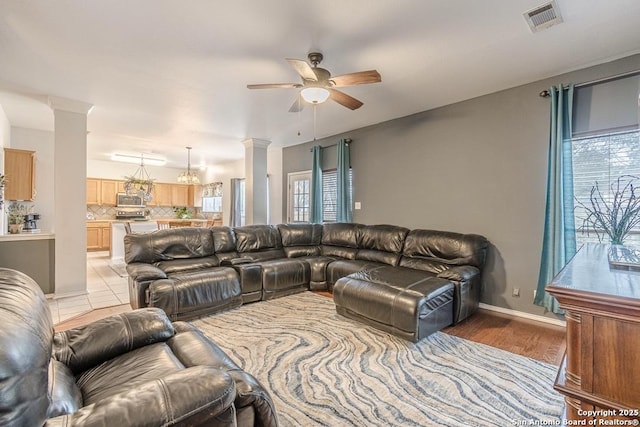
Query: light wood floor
x,y
528,338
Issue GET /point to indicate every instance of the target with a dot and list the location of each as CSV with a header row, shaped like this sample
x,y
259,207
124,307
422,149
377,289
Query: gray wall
x,y
478,166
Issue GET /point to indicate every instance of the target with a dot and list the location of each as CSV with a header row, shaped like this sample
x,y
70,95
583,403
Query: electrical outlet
x,y
516,292
534,293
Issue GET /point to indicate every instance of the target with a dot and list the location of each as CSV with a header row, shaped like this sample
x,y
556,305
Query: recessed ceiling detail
x,y
543,16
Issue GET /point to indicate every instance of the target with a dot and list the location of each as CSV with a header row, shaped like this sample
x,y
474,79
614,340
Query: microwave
x,y
125,200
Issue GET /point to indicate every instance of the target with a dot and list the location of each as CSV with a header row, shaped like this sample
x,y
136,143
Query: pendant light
x,y
140,183
188,177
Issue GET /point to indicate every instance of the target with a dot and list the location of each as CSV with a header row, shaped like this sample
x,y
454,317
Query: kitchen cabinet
x,y
19,170
162,194
195,196
103,191
98,236
108,190
93,191
180,195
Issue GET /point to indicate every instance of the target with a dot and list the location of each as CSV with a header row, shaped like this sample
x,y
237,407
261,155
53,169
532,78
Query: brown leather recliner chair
x,y
133,369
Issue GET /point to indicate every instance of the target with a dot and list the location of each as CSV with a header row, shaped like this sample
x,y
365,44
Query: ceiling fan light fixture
x,y
315,95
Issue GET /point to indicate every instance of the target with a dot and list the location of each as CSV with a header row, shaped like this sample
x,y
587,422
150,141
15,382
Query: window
x,y
330,194
300,195
242,204
605,143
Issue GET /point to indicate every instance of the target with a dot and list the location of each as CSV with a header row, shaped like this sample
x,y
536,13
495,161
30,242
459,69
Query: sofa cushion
x,y
342,267
341,234
194,293
381,243
127,371
253,238
224,242
431,250
187,264
65,395
25,349
300,234
301,240
168,244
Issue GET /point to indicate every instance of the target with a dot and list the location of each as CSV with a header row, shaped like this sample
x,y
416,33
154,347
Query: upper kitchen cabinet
x,y
195,195
180,195
19,171
108,191
162,194
103,191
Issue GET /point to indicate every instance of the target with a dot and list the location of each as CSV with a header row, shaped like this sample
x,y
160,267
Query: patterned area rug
x,y
325,370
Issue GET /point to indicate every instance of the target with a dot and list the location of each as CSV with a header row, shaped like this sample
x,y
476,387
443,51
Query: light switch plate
x,y
357,205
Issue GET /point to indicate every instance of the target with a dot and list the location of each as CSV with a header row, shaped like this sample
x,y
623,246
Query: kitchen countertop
x,y
26,236
150,219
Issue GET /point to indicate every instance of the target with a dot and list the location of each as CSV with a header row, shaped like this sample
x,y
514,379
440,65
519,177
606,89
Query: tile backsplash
x,y
109,212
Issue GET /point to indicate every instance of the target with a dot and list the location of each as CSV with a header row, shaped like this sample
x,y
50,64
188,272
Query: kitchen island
x,y
33,254
117,236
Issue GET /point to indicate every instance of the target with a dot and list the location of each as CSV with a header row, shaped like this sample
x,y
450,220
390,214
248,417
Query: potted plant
x,y
16,213
615,214
182,212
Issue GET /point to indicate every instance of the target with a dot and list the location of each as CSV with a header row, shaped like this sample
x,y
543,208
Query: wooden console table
x,y
601,368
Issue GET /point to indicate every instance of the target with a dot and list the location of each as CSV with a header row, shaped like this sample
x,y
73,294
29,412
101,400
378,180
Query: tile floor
x,y
106,288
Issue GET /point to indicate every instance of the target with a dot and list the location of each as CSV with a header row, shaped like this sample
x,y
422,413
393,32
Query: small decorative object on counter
x,y
16,213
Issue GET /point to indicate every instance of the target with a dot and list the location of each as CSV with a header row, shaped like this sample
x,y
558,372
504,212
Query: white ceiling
x,y
164,74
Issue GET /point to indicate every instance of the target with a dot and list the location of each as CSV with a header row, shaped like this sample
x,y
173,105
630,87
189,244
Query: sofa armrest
x,y
193,348
143,272
87,346
459,273
201,395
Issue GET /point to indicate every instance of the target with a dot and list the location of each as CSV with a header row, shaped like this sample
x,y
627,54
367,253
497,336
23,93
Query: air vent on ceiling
x,y
543,16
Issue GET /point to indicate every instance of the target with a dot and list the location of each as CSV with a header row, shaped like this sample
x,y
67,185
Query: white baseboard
x,y
524,315
67,294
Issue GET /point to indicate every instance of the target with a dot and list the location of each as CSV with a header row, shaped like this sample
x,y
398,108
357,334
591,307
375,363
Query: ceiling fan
x,y
318,85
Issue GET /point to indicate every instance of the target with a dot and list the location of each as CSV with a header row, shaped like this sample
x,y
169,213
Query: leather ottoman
x,y
192,294
408,303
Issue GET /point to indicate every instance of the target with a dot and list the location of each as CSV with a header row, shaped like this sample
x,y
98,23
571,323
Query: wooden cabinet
x,y
93,191
108,190
179,195
161,195
98,236
19,171
600,371
103,191
195,196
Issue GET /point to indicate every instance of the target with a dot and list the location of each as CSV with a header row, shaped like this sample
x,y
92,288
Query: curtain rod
x,y
346,141
545,93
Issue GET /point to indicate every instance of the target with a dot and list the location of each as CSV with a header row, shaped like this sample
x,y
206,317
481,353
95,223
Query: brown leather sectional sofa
x,y
408,282
132,369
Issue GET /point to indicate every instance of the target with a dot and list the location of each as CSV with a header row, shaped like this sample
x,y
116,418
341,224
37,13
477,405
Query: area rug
x,y
322,369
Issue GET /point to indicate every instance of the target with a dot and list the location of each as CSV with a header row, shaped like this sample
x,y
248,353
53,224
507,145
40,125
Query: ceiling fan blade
x,y
274,86
303,68
359,78
297,105
344,99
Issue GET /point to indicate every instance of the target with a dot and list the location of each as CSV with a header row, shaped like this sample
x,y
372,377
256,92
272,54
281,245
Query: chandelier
x,y
188,177
139,183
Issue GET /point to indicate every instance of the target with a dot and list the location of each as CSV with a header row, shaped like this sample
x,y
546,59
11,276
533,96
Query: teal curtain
x,y
559,240
343,203
316,186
